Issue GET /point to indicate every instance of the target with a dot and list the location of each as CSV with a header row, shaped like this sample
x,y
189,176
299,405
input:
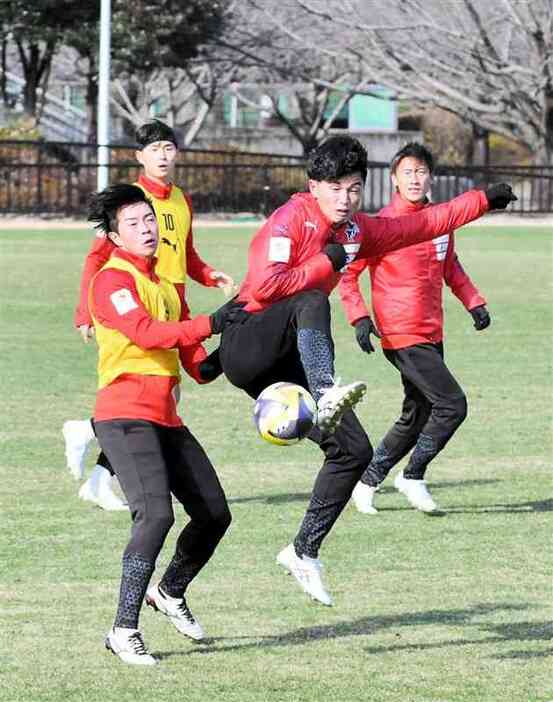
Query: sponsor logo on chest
x,y
440,246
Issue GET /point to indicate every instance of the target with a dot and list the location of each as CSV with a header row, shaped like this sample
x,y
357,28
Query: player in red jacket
x,y
295,260
406,295
178,260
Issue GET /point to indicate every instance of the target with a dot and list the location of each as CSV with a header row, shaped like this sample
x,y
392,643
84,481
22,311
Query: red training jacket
x,y
406,286
286,254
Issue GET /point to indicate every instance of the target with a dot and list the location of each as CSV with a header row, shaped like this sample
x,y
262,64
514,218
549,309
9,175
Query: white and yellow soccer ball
x,y
284,413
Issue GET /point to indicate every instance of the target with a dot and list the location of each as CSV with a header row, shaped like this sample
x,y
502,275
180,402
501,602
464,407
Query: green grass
x,y
449,609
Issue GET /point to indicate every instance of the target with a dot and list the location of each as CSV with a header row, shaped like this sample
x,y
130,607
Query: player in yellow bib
x,y
178,260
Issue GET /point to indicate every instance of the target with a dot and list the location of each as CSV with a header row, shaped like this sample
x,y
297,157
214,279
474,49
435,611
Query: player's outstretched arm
x,y
382,235
116,304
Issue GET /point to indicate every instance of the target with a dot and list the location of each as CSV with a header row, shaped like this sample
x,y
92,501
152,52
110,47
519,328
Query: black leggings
x,y
434,406
152,462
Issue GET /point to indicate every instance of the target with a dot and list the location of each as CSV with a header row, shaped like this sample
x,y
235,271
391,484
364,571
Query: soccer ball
x,y
284,414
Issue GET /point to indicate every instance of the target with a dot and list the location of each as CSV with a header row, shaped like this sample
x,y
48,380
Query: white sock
x,y
88,431
98,478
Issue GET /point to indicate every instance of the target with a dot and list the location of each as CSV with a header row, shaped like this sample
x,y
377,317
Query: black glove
x,y
337,255
364,327
230,313
481,317
499,196
211,368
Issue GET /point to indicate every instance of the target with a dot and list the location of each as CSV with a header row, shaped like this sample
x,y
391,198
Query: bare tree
x,y
491,63
185,95
283,80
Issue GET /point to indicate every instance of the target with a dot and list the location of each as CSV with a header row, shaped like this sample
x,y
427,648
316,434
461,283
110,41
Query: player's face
x,y
412,179
138,230
338,199
158,160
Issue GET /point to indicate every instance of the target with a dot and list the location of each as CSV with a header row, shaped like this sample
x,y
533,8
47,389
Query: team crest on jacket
x,y
352,231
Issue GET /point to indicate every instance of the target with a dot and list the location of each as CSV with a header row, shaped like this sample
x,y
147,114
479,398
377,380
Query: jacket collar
x,y
402,206
158,190
143,265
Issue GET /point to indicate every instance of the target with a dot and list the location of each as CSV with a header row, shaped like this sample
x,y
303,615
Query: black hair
x,y
413,150
152,131
337,157
103,206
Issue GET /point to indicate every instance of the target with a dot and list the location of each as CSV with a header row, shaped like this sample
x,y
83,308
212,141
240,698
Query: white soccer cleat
x,y
177,610
335,401
97,490
307,572
363,496
129,645
416,492
77,435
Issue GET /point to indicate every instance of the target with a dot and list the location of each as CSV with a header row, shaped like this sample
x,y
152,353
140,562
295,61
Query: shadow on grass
x,y
505,507
477,482
500,633
272,499
525,655
499,508
384,490
370,625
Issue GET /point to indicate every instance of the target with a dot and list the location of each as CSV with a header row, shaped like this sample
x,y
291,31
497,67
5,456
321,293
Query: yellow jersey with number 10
x,y
174,219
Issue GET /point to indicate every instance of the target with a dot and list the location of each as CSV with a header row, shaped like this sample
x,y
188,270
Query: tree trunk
x,y
32,79
480,146
308,144
548,147
3,79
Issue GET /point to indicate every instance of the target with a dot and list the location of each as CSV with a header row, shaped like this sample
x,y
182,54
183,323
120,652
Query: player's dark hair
x,y
413,150
152,131
337,157
103,206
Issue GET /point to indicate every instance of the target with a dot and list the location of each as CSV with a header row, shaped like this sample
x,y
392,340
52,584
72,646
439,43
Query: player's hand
x,y
225,282
364,327
231,312
211,368
337,255
87,332
499,196
481,317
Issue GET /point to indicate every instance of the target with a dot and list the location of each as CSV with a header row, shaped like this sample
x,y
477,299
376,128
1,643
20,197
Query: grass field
x,y
451,609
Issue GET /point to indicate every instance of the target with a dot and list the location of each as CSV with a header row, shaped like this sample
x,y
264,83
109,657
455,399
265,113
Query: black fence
x,y
54,178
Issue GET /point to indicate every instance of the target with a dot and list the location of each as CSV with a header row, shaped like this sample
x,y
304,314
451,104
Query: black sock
x,y
317,357
379,467
425,450
137,572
